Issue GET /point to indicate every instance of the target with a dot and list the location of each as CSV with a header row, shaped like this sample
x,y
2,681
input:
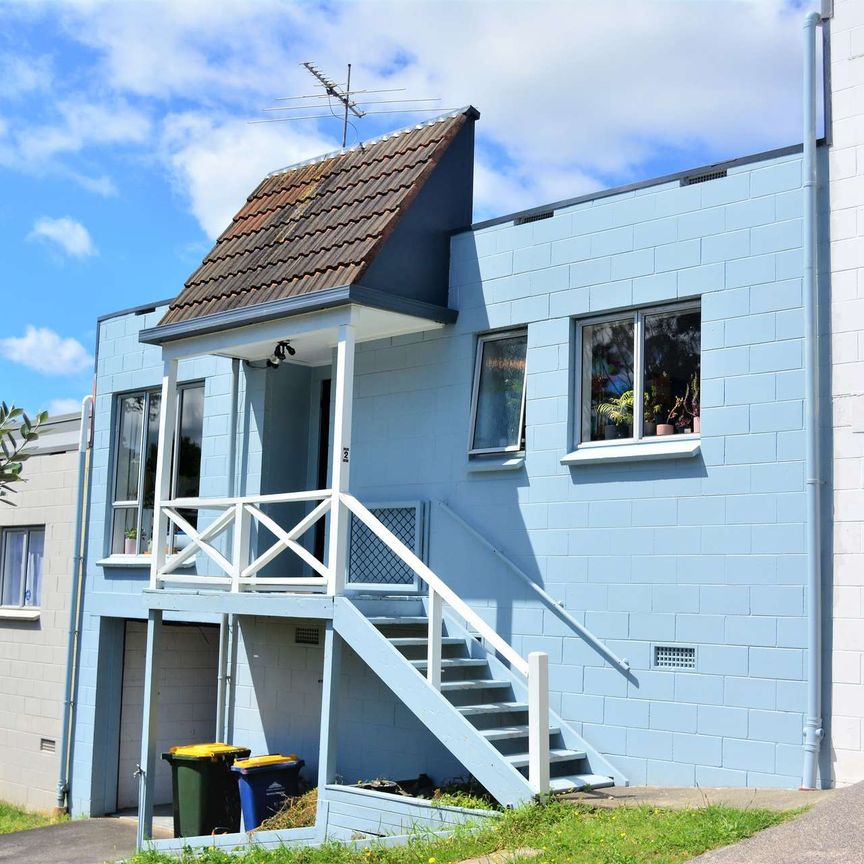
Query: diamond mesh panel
x,y
371,562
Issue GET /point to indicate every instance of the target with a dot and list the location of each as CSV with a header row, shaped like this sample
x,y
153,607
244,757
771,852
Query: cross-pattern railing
x,y
242,571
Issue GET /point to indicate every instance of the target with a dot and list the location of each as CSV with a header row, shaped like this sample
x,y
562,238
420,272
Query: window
x,y
21,554
135,464
640,374
498,403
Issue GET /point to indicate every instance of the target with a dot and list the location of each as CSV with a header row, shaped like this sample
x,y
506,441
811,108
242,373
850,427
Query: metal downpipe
x,y
813,721
75,604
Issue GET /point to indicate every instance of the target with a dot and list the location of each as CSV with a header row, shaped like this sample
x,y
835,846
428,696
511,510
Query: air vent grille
x,y
703,178
307,636
674,657
48,745
533,217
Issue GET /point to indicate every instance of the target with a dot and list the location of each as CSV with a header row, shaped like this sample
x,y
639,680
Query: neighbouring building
x,y
36,561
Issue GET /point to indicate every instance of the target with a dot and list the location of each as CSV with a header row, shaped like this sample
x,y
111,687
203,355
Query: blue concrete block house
x,y
523,501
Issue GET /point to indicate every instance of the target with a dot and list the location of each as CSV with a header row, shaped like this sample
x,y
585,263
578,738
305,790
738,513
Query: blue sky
x,y
125,146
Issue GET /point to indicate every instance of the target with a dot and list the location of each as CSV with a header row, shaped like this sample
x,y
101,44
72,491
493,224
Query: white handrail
x,y
453,600
274,498
544,595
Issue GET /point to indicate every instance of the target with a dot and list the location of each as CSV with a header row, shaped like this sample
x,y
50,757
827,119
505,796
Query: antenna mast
x,y
350,104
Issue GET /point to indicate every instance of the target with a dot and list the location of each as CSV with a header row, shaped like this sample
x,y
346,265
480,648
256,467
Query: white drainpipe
x,y
813,721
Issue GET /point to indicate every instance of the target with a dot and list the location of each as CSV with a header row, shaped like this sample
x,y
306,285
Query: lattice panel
x,y
674,657
371,562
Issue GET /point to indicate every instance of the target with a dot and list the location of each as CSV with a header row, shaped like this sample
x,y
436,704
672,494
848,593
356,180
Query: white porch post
x,y
339,516
329,719
167,422
538,721
149,731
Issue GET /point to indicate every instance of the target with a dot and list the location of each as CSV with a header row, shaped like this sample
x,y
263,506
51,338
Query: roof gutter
x,y
302,304
813,731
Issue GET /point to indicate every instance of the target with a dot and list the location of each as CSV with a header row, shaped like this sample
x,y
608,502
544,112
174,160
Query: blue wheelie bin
x,y
265,782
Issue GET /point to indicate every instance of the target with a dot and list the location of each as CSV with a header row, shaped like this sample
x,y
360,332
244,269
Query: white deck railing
x,y
241,572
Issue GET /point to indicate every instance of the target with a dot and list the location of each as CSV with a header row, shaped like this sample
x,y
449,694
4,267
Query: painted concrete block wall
x,y
33,653
113,593
706,552
277,709
847,387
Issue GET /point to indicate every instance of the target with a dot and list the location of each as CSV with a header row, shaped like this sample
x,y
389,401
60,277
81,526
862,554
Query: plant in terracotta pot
x,y
618,411
129,543
694,403
651,411
684,416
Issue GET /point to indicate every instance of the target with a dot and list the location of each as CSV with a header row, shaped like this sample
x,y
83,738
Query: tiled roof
x,y
316,225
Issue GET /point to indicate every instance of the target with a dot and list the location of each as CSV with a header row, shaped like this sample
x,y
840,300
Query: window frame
x,y
482,339
637,315
115,505
27,530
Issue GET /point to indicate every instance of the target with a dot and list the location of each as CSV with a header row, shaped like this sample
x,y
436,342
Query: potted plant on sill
x,y
651,411
618,411
130,541
684,416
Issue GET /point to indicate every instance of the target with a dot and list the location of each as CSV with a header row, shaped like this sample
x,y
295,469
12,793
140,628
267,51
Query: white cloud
x,y
63,406
44,350
67,234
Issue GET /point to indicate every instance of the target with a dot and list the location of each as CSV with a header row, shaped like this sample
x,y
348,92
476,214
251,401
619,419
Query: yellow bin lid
x,y
203,751
258,761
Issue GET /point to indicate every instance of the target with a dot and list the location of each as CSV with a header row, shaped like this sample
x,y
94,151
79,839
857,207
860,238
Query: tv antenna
x,y
347,99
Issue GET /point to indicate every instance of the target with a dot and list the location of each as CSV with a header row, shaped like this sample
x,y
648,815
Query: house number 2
x,y
345,451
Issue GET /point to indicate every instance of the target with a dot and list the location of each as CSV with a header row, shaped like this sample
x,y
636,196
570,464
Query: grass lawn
x,y
565,834
15,819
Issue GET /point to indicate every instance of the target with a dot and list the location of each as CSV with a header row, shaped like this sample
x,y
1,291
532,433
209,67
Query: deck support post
x,y
149,731
167,423
339,516
329,718
538,721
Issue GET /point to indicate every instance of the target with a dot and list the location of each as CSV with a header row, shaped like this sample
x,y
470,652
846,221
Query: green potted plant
x,y
651,411
129,544
618,411
684,415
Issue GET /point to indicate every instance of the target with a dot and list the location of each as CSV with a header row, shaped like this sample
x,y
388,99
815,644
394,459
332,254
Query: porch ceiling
x,y
313,336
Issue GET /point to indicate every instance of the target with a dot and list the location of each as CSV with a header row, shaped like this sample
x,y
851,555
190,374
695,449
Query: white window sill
x,y
510,462
671,447
18,613
138,561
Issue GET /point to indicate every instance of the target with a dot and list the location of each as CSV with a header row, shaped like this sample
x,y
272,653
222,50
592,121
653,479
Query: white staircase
x,y
480,710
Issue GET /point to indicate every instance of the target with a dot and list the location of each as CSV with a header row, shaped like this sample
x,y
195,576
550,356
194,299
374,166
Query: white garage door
x,y
187,701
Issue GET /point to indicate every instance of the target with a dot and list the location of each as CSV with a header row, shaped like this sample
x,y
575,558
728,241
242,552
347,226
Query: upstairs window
x,y
498,403
640,374
21,554
135,464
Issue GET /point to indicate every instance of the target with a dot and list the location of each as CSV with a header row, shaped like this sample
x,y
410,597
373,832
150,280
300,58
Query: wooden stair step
x,y
492,708
574,782
421,641
477,684
520,760
505,733
452,663
395,620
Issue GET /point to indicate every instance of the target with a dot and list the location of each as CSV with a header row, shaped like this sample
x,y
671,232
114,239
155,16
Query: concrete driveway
x,y
85,841
831,833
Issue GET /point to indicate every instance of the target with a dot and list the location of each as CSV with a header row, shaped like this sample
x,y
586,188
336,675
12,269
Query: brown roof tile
x,y
315,226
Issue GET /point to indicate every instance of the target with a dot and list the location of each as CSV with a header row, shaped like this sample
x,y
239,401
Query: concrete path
x,y
831,833
682,797
85,841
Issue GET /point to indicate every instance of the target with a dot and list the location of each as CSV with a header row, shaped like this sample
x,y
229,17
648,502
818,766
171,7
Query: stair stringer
x,y
433,710
600,764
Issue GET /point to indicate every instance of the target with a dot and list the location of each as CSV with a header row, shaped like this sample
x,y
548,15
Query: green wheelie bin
x,y
206,800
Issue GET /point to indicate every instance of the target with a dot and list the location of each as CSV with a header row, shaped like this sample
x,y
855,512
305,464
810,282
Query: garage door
x,y
187,700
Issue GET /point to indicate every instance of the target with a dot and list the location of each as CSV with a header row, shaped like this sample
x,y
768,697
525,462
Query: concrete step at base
x,y
574,782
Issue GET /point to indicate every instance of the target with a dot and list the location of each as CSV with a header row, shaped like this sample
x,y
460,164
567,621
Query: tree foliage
x,y
17,430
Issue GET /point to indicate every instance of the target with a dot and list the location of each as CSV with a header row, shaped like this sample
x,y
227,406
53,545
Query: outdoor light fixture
x,y
281,350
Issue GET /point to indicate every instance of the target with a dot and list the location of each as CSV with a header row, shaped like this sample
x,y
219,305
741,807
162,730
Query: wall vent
x,y
674,657
533,217
307,636
48,745
703,178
